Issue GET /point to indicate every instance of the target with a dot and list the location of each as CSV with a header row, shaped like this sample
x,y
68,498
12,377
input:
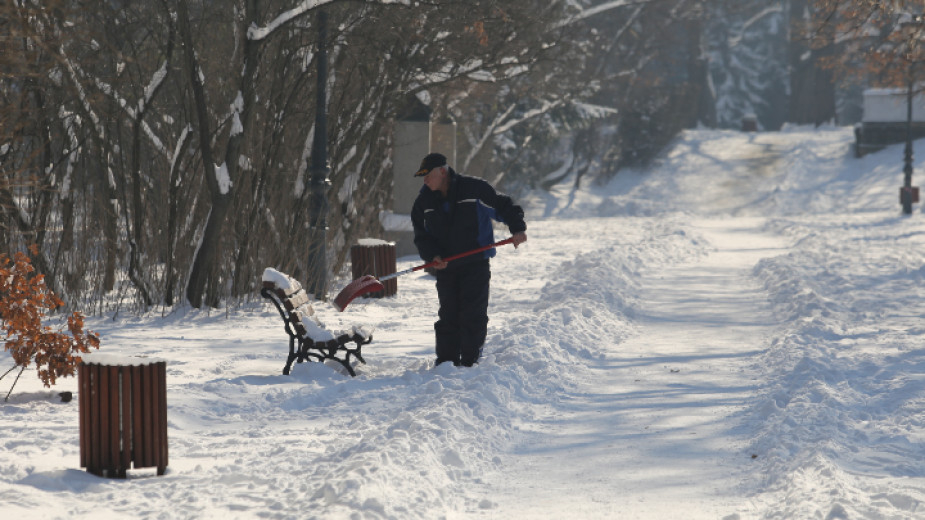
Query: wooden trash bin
x,y
375,257
750,123
123,414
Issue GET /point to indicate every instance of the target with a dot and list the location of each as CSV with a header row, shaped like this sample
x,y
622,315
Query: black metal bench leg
x,y
346,364
355,352
292,356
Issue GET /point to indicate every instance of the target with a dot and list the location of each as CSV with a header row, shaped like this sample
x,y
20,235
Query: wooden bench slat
x,y
300,299
283,293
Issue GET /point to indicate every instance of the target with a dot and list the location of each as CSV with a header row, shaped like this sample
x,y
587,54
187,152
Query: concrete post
x,y
443,139
412,143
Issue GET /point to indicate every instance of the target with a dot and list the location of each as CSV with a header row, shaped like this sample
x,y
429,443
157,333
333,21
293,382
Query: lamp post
x,y
906,194
909,194
317,249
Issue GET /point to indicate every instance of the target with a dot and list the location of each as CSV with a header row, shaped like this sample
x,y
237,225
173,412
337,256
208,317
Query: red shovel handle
x,y
369,283
467,253
447,260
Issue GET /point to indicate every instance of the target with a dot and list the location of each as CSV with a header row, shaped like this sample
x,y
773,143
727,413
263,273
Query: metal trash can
x,y
123,414
375,257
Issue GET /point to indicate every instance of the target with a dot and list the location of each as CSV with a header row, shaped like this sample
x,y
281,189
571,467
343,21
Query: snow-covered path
x,y
734,334
658,418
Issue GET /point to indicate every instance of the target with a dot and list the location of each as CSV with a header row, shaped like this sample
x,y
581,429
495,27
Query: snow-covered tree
x,y
159,151
166,143
749,69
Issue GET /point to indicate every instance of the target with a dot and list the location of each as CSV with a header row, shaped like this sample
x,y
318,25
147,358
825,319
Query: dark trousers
x,y
463,323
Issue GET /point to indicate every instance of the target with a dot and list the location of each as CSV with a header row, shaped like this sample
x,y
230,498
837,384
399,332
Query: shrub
x,y
24,303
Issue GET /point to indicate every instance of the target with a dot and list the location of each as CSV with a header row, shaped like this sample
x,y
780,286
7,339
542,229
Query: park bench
x,y
309,340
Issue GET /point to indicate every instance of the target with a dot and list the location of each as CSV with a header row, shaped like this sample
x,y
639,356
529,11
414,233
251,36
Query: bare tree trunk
x,y
203,276
699,76
107,217
812,88
173,209
138,208
211,237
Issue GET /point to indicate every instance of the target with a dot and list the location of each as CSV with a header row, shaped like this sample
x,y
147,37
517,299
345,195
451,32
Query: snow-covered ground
x,y
734,334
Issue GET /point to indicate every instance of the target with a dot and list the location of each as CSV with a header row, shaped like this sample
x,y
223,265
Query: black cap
x,y
431,161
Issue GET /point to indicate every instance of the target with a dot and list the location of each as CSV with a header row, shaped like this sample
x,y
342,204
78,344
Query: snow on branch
x,y
237,107
259,33
178,149
473,69
223,178
74,73
591,111
69,121
502,124
598,9
530,114
774,9
156,81
490,131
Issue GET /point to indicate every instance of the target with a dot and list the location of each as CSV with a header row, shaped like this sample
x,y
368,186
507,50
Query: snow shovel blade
x,y
356,288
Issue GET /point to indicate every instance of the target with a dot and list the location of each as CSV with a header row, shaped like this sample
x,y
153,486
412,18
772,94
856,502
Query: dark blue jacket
x,y
461,221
